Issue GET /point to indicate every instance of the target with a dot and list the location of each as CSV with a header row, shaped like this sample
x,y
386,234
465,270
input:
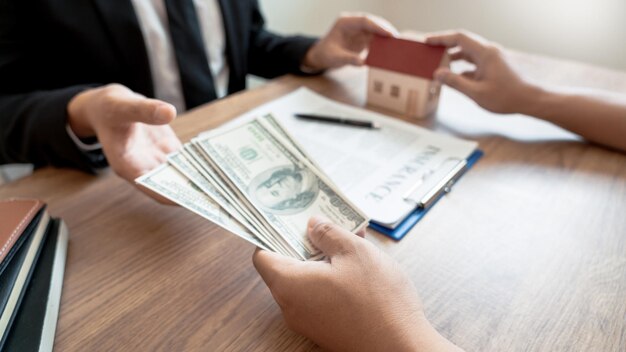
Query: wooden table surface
x,y
528,253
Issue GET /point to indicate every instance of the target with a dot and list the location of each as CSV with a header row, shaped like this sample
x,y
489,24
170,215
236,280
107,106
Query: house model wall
x,y
401,75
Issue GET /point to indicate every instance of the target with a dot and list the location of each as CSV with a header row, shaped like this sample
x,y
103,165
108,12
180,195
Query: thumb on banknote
x,y
330,238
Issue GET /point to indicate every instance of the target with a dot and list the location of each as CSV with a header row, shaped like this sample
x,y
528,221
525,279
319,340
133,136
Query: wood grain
x,y
528,253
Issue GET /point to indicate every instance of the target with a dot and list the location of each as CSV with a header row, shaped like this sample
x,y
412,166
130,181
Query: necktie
x,y
193,64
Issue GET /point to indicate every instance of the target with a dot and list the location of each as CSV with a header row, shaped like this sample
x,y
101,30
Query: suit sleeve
x,y
271,55
33,120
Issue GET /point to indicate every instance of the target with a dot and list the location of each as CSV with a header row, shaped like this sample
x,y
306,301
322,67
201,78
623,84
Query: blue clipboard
x,y
411,220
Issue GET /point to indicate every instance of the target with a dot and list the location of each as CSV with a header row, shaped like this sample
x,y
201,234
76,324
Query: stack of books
x,y
33,249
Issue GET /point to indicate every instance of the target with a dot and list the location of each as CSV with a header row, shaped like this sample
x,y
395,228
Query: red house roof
x,y
405,56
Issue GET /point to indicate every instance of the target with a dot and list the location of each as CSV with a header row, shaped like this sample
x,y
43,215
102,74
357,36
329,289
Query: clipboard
x,y
432,196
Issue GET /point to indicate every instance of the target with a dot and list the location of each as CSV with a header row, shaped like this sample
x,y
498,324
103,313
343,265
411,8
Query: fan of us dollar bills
x,y
255,181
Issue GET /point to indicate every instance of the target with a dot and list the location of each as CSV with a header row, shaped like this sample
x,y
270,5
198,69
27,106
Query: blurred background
x,y
592,31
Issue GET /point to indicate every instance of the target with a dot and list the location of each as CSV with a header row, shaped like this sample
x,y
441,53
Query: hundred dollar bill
x,y
272,125
171,184
200,161
279,131
187,166
278,184
227,189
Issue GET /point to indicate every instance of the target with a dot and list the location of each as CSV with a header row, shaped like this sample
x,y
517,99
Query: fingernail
x,y
315,219
159,113
162,113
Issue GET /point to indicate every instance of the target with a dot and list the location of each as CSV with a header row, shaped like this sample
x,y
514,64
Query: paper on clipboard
x,y
374,168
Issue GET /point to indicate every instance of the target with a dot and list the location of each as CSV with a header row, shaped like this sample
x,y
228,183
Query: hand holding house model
x,y
401,75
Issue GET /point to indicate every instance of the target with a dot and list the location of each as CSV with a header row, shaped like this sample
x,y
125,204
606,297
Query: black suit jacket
x,y
50,50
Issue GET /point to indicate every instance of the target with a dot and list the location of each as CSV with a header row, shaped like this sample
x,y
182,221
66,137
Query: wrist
x,y
536,99
311,61
77,117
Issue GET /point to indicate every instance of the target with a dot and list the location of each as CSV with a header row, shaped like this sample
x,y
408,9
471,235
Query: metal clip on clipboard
x,y
428,189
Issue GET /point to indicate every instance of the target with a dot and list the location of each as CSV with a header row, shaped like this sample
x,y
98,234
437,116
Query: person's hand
x,y
346,41
132,129
358,300
493,84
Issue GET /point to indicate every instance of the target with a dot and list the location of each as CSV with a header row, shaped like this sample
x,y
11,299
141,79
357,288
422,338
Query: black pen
x,y
339,120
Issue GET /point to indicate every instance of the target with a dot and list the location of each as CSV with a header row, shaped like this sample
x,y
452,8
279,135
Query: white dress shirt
x,y
154,26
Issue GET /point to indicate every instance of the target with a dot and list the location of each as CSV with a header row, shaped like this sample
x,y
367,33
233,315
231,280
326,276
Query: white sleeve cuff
x,y
80,144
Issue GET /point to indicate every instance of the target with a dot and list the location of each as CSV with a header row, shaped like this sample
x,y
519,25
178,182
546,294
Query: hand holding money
x,y
348,305
256,182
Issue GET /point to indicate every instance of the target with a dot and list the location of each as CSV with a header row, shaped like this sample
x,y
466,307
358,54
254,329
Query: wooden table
x,y
527,253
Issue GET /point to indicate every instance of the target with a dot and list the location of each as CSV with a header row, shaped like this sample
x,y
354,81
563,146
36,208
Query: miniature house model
x,y
401,75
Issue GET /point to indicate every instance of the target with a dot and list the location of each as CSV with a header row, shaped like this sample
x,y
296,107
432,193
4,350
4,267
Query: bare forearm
x,y
598,119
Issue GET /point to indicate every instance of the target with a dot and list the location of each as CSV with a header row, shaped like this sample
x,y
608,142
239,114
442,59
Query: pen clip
x,y
428,189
